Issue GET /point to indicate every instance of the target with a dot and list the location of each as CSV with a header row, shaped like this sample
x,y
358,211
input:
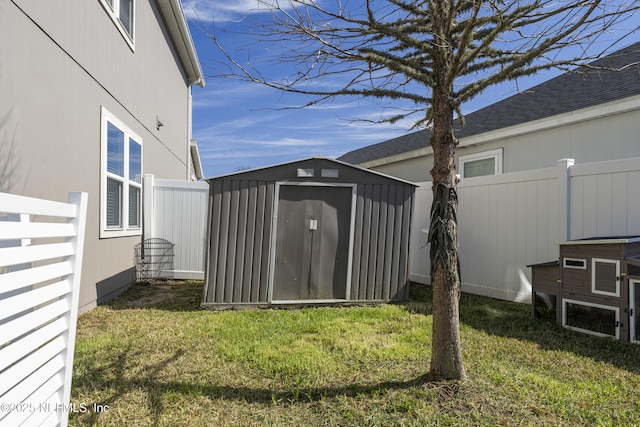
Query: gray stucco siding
x,y
61,66
605,138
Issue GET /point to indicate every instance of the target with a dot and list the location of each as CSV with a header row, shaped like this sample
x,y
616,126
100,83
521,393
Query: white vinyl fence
x,y
509,221
41,246
175,224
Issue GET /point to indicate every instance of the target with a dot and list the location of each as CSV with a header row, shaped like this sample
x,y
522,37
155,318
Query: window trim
x,y
496,154
126,230
114,13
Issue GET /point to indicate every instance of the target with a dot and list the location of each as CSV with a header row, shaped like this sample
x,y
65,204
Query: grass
x,y
154,358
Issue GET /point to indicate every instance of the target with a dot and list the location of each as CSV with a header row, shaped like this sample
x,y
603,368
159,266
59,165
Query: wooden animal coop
x,y
594,287
313,231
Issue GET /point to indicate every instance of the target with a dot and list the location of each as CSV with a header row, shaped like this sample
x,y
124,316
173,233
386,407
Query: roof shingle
x,y
568,92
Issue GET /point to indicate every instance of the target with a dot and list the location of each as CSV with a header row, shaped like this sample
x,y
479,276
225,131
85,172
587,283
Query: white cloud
x,y
221,10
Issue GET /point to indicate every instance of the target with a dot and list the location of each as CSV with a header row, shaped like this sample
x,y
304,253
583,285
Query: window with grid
x,y
121,178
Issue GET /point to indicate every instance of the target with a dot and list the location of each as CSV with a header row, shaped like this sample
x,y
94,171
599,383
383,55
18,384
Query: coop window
x,y
591,318
605,277
580,264
121,175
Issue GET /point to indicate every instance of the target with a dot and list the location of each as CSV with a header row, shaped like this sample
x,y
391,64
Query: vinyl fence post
x,y
80,200
564,198
147,206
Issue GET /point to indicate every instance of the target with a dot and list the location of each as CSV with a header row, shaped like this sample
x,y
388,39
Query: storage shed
x,y
313,231
594,287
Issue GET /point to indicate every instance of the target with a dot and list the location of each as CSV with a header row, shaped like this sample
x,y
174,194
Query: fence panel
x,y
41,246
419,265
176,211
506,222
604,199
509,221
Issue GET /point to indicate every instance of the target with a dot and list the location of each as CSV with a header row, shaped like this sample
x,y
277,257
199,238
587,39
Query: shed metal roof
x,y
339,162
568,92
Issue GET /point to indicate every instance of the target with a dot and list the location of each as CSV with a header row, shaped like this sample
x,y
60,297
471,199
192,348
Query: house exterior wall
x,y
58,67
601,137
414,169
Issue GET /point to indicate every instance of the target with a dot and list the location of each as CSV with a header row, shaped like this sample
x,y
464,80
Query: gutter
x,y
195,158
176,23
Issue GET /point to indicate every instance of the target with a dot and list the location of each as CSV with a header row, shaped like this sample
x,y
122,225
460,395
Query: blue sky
x,y
242,125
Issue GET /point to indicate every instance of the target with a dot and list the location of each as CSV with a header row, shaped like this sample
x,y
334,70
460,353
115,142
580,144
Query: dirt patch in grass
x,y
162,294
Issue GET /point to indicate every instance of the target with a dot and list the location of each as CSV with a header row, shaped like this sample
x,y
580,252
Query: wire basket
x,y
153,256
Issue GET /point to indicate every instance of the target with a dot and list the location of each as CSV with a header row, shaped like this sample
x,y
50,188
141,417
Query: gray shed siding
x,y
241,237
239,234
383,219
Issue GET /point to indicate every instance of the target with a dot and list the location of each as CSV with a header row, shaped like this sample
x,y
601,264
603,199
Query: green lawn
x,y
165,362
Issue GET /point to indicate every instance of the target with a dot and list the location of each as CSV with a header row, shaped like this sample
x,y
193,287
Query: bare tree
x,y
436,54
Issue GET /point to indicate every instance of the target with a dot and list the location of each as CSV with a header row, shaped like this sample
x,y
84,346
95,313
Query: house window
x,y
481,164
121,179
122,14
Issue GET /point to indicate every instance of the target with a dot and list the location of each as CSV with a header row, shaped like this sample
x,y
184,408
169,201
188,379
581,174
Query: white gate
x,y
40,267
175,212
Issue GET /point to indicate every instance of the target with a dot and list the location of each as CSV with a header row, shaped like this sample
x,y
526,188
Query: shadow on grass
x,y
94,381
494,317
513,320
147,379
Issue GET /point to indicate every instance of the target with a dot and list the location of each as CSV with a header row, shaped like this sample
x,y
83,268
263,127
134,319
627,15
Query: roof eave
x,y
176,23
576,116
611,108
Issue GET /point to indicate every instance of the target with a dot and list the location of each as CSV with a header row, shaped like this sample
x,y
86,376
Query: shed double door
x,y
312,243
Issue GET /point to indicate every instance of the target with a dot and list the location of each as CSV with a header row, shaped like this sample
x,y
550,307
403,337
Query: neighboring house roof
x,y
563,94
176,23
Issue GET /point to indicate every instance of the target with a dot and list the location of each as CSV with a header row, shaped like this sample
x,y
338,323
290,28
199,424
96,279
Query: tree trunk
x,y
446,353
